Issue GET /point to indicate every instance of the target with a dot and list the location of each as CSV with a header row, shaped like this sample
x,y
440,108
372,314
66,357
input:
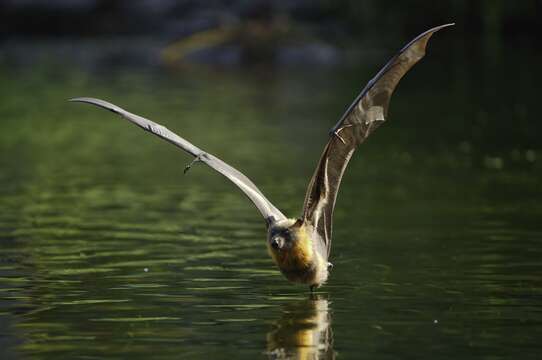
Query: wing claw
x,y
189,166
336,132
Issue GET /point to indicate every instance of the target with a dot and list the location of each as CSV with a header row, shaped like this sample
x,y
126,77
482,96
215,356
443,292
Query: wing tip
x,y
435,29
82,99
97,102
423,38
443,26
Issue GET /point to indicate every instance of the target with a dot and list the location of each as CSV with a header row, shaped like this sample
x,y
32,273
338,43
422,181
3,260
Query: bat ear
x,y
269,221
298,223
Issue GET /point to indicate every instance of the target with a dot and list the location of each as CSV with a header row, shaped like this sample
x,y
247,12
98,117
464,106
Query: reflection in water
x,y
303,332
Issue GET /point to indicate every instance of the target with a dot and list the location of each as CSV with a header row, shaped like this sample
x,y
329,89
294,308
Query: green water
x,y
108,250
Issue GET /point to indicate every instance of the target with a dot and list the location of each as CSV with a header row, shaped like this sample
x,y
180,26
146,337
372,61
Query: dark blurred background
x,y
242,31
339,18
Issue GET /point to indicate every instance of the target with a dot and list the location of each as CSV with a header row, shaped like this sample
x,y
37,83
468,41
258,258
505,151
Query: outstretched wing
x,y
365,114
269,212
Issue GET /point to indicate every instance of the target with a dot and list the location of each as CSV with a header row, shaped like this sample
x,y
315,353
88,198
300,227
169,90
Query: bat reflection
x,y
303,331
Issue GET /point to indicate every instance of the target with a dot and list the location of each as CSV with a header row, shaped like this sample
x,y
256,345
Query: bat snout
x,y
277,243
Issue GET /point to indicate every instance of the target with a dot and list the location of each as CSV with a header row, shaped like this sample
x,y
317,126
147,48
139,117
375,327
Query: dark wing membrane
x,y
268,211
365,114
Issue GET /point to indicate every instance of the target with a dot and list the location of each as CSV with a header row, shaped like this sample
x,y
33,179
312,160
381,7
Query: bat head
x,y
282,234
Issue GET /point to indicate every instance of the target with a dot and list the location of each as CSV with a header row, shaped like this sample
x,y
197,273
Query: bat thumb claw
x,y
187,167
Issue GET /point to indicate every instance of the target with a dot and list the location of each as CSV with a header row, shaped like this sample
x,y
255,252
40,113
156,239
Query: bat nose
x,y
276,243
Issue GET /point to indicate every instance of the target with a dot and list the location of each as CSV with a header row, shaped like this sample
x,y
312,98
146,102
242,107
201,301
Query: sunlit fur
x,y
304,259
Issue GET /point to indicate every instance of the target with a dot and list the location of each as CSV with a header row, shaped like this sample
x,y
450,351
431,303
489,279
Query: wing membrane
x,y
266,208
362,117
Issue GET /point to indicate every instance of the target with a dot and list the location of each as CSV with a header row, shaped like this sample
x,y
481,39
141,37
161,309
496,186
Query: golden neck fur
x,y
299,256
301,262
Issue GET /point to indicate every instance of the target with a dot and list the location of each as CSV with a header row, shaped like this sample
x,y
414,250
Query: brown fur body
x,y
304,258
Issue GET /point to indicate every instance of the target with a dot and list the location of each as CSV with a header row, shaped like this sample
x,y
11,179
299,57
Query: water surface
x,y
107,249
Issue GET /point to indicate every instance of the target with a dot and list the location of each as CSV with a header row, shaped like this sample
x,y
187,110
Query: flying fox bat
x,y
301,246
